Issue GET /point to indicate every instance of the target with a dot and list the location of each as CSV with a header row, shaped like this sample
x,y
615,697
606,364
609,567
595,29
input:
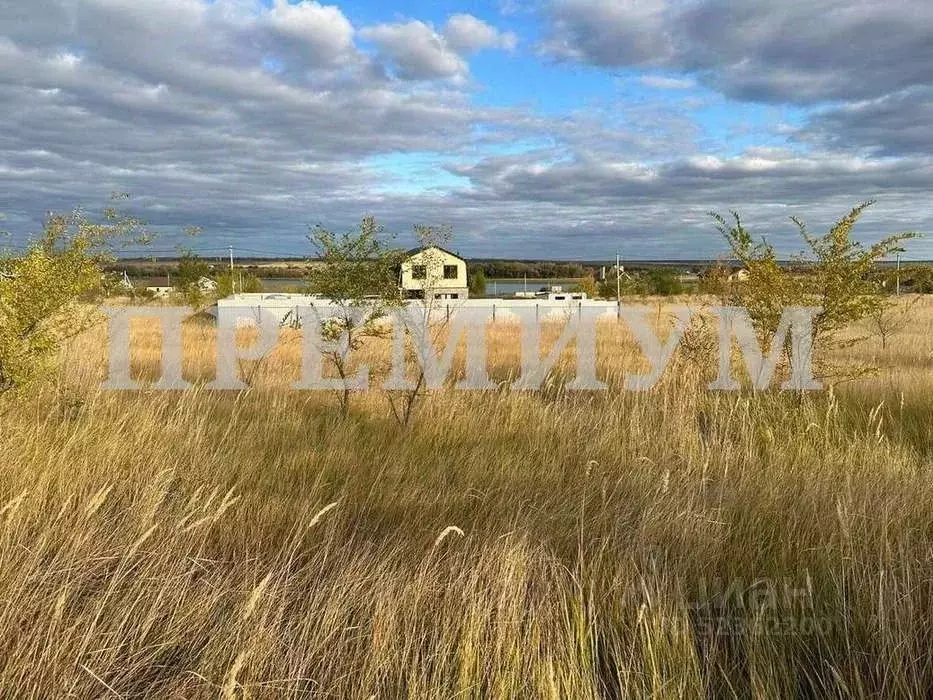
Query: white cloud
x,y
254,121
663,82
894,125
416,51
802,52
467,34
319,31
609,32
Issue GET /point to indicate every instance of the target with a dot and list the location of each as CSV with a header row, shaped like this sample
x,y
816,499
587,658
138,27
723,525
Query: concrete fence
x,y
247,309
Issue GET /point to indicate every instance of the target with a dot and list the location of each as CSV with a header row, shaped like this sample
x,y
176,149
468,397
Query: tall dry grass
x,y
676,543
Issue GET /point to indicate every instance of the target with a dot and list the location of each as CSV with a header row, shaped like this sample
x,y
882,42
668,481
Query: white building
x,y
435,271
160,287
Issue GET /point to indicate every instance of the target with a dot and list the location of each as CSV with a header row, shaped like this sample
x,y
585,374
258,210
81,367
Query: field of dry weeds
x,y
674,543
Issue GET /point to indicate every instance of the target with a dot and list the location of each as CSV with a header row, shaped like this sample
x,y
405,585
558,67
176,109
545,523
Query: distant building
x,y
555,293
435,270
160,287
564,296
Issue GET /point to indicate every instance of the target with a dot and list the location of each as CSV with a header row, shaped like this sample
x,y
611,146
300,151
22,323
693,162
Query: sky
x,y
547,129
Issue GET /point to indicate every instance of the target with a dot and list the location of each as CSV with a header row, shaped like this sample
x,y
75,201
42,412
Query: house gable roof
x,y
414,251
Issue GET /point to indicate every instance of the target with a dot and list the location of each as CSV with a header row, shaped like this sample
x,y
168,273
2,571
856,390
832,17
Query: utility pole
x,y
897,290
618,280
618,288
232,278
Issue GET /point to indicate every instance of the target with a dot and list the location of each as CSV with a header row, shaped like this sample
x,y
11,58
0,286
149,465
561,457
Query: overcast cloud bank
x,y
254,120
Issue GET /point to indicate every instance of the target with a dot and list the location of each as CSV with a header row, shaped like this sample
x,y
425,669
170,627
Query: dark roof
x,y
415,251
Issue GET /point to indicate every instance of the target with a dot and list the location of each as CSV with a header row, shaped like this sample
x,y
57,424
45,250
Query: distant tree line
x,y
161,268
511,269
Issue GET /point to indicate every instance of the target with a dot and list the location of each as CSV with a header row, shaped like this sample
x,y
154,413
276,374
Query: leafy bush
x,y
834,274
47,295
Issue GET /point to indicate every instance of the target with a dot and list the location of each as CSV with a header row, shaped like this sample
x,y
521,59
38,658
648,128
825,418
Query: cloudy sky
x,y
535,128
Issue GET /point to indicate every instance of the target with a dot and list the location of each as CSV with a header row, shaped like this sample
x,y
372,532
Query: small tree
x,y
358,273
191,270
476,281
432,323
242,281
587,285
834,274
49,294
626,285
887,319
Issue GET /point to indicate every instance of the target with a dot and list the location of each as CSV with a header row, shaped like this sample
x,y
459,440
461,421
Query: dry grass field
x,y
674,543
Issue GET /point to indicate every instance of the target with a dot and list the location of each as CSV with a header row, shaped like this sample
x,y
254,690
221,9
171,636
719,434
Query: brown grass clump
x,y
674,543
